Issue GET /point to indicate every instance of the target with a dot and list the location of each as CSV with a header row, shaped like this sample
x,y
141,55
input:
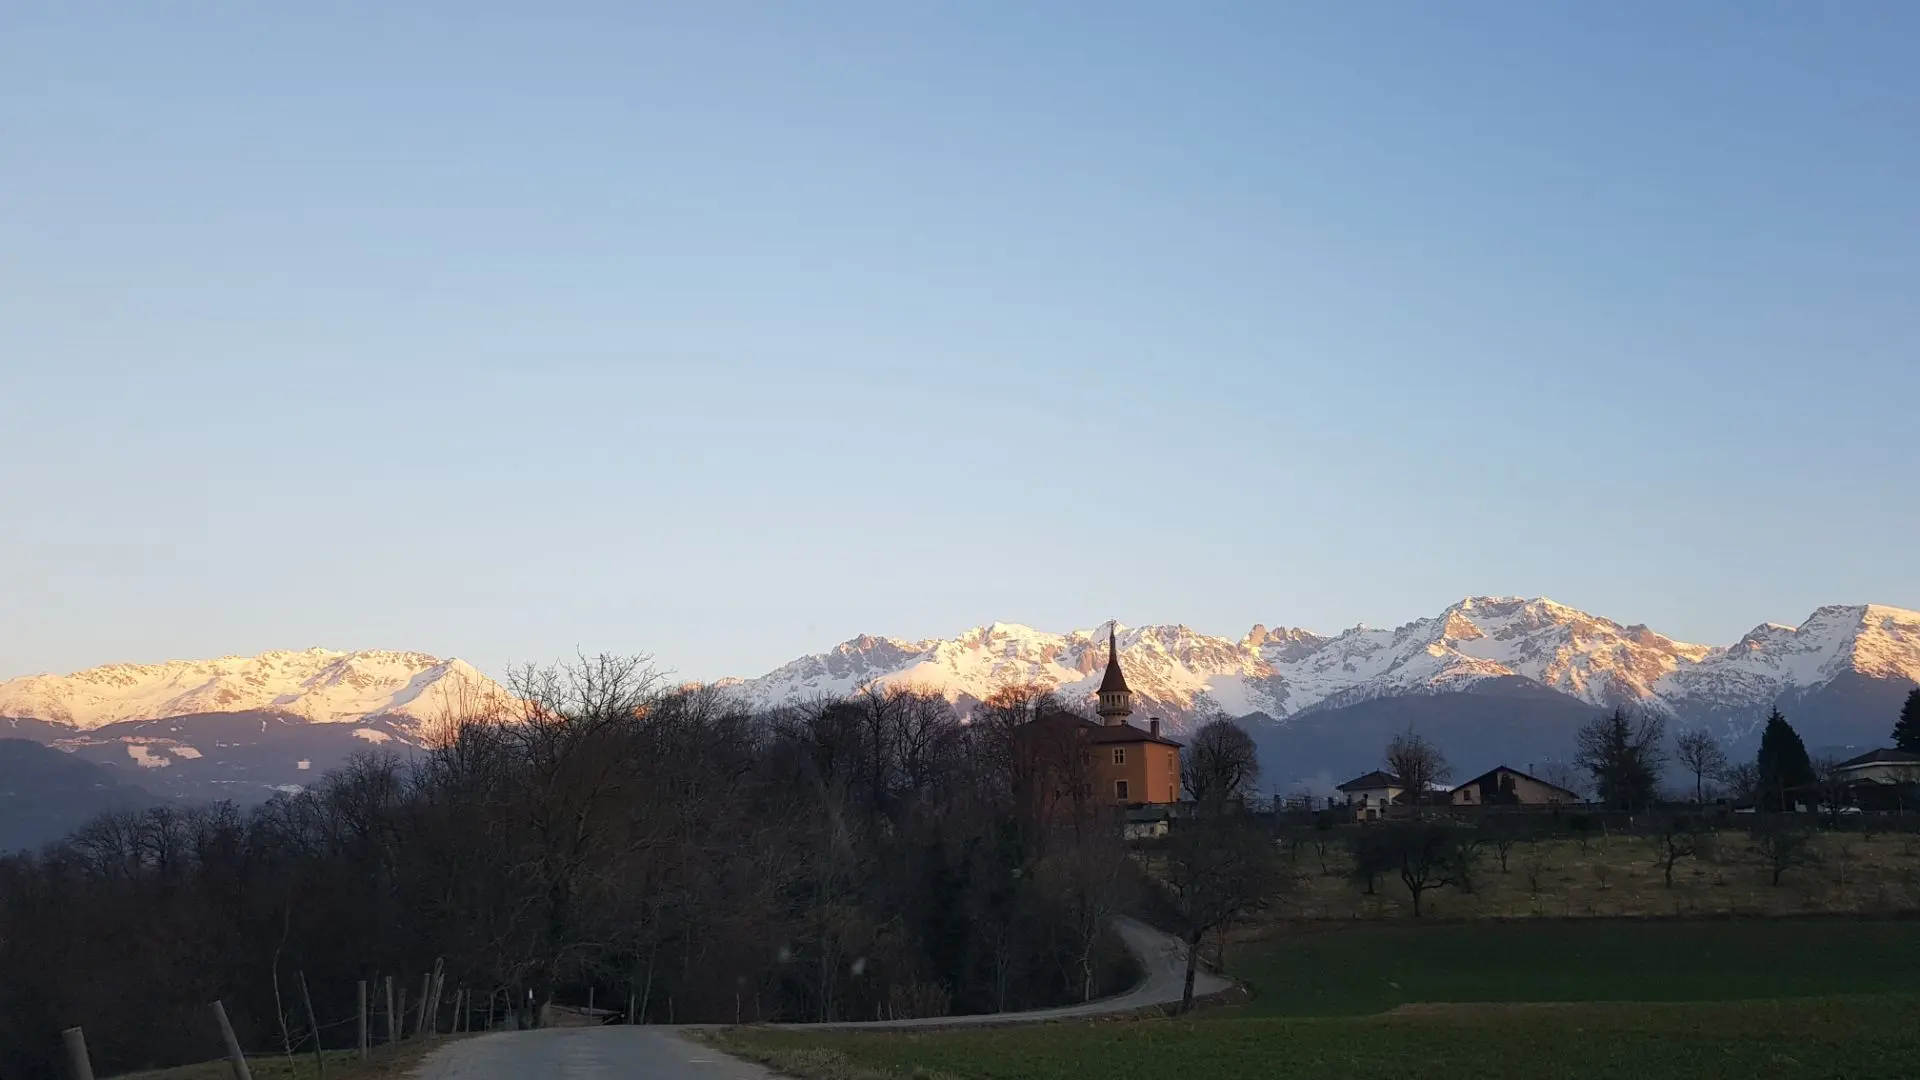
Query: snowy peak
x,y
319,685
1873,640
1283,672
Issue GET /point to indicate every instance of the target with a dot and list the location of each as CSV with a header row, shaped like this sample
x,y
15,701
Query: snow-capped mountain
x,y
317,685
1285,673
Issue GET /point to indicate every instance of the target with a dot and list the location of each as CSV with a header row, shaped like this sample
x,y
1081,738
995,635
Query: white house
x,y
1368,796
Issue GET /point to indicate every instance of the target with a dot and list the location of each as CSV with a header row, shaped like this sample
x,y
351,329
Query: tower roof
x,y
1113,679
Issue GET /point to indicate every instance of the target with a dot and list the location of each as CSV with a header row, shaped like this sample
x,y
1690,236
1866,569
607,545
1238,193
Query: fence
x,y
383,1000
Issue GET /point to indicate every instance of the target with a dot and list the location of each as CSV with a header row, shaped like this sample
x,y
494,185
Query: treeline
x,y
846,859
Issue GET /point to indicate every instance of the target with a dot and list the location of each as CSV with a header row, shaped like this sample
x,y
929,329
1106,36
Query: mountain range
x,y
1492,679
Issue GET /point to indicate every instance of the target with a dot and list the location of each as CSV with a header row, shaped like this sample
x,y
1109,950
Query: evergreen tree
x,y
1906,730
1784,766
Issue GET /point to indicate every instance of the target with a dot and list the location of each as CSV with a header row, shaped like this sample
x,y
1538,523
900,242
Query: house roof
x,y
1883,757
1574,795
1113,680
1127,733
1372,781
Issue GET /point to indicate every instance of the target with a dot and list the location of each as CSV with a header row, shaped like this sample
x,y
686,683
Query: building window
x,y
1120,790
1119,755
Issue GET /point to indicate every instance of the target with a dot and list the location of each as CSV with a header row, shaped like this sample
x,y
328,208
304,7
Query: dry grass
x,y
1617,876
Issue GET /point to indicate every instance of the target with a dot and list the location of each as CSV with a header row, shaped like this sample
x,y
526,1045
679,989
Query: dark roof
x,y
1126,733
1884,757
1113,680
1525,776
1372,781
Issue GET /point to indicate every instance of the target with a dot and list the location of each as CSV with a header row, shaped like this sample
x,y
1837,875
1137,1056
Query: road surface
x,y
654,1052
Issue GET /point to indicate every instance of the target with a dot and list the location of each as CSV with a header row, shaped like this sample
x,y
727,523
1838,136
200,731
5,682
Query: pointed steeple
x,y
1114,680
1116,701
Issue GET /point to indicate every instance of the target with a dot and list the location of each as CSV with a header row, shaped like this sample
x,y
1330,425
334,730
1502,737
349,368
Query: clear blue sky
x,y
728,331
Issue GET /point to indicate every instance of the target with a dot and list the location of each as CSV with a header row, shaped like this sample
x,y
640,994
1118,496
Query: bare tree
x,y
1417,763
1218,866
1429,855
1742,780
1220,763
1676,837
1699,753
1624,755
1783,844
1833,786
1564,774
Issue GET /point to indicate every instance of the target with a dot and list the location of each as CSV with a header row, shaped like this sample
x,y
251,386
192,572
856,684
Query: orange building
x,y
1068,760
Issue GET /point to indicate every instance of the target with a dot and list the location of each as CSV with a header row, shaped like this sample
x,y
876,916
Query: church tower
x,y
1116,701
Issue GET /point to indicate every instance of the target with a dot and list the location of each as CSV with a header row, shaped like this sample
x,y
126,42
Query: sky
x,y
724,332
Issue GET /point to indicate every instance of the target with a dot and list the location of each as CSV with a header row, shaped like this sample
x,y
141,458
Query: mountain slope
x,y
45,794
317,685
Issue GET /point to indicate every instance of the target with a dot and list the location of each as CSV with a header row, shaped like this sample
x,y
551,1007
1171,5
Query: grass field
x,y
1730,999
1373,969
1611,876
1871,1038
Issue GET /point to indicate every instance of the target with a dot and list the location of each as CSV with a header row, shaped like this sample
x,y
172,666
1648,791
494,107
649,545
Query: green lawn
x,y
1348,972
1860,1038
1586,1000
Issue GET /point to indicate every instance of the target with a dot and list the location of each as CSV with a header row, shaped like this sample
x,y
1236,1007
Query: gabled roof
x,y
1372,781
1884,757
1490,773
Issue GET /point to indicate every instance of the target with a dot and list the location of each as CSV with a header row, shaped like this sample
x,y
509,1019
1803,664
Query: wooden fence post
x,y
235,1057
392,1033
420,1017
77,1053
589,1002
630,1018
360,1015
313,1025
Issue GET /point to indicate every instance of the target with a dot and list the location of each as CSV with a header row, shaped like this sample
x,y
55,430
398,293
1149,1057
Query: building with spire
x,y
1068,760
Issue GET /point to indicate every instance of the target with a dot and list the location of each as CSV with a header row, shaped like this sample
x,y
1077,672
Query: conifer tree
x,y
1784,766
1906,730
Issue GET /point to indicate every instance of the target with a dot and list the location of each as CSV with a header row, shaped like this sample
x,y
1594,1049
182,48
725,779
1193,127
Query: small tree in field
x,y
1428,855
1676,837
1501,832
1783,845
1700,754
1372,855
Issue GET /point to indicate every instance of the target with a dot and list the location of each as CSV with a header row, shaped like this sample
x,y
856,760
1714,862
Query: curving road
x,y
652,1052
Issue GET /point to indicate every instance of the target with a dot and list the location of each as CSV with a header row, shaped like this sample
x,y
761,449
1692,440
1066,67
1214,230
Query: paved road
x,y
653,1052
